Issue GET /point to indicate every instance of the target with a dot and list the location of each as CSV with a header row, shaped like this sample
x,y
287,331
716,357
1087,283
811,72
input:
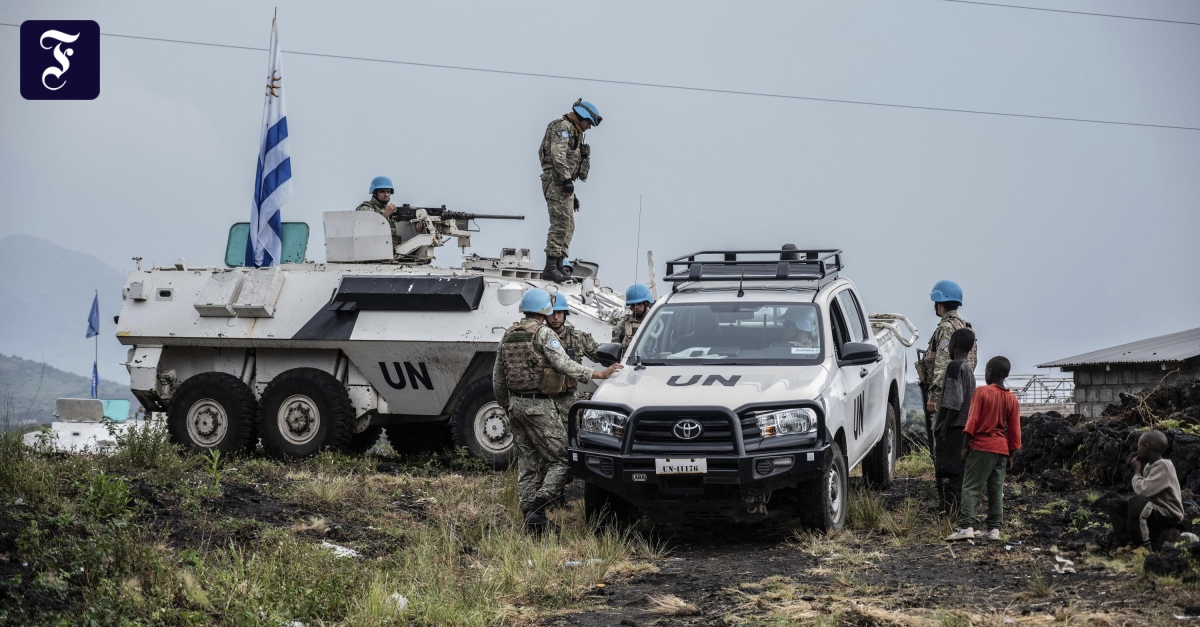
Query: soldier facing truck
x,y
639,300
947,297
531,368
564,158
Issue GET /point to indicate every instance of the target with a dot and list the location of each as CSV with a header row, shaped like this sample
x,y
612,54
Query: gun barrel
x,y
486,216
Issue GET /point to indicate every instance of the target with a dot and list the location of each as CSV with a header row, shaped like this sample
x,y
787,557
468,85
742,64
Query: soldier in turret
x,y
639,300
381,202
564,158
531,368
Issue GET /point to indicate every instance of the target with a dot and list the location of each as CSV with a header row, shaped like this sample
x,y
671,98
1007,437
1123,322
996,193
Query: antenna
x,y
638,249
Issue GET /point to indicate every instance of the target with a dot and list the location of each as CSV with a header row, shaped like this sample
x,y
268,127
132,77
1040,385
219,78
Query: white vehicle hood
x,y
665,385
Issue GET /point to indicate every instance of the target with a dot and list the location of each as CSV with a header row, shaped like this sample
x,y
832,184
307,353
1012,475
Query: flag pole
x,y
96,358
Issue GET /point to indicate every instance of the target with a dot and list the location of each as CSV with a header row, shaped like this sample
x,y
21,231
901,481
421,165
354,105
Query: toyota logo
x,y
688,429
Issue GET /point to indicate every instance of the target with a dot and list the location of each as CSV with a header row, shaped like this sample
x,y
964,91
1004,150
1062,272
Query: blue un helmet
x,y
381,182
946,291
560,303
537,300
638,293
587,111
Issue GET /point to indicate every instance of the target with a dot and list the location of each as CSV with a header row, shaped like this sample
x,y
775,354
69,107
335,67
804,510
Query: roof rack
x,y
821,266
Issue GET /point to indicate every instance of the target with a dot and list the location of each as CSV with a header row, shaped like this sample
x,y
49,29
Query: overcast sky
x,y
1066,236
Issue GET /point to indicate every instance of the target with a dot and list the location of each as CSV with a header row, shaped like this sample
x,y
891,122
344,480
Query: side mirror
x,y
858,353
608,354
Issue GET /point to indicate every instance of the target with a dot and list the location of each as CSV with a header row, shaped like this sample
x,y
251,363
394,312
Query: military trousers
x,y
562,217
541,442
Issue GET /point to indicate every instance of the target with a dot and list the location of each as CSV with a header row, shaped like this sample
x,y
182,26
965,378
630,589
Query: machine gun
x,y
410,213
422,229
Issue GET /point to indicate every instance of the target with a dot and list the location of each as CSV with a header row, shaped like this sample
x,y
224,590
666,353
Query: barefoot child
x,y
1156,503
991,435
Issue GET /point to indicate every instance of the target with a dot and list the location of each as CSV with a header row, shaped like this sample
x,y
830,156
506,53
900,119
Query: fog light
x,y
764,466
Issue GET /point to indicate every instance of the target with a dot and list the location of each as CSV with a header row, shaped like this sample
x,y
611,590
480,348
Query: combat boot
x,y
551,272
535,518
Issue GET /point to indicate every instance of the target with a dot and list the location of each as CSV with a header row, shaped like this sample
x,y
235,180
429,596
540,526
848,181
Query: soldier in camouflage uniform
x,y
381,202
564,159
931,369
639,300
531,368
577,344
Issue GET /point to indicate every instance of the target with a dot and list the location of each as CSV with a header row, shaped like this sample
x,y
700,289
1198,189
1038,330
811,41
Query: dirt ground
x,y
772,574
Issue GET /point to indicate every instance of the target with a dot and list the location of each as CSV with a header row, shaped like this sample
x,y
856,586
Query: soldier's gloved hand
x,y
389,210
585,150
568,187
577,203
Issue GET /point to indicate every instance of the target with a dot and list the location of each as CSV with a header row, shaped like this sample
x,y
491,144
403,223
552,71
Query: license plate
x,y
681,466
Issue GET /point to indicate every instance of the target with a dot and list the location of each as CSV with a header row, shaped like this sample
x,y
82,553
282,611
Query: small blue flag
x,y
95,381
94,317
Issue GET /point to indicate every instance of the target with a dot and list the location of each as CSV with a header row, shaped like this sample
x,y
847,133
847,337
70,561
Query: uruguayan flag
x,y
273,182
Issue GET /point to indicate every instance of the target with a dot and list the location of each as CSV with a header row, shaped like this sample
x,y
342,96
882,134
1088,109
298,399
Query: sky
x,y
1066,236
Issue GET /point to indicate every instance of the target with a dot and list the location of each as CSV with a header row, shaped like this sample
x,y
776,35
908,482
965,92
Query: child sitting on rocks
x,y
992,434
1156,503
953,409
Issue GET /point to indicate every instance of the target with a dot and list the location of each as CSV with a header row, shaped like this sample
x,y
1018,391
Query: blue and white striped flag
x,y
273,182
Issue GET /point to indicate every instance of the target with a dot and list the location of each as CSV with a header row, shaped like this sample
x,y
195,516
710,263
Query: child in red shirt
x,y
992,434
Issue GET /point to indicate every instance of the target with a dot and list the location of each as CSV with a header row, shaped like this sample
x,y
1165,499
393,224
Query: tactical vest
x,y
526,369
573,143
925,366
631,327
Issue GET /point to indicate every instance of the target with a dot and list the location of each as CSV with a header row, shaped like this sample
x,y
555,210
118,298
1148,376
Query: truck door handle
x,y
863,373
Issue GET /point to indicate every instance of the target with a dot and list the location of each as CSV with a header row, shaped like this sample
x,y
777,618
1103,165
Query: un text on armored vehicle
x,y
308,356
750,391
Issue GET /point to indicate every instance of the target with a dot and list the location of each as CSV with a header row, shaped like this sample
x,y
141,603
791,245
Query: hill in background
x,y
29,389
45,296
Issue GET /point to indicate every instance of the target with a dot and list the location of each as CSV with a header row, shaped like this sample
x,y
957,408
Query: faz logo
x,y
416,375
60,60
858,415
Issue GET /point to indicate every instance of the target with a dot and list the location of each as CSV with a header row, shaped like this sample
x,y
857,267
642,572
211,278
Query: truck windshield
x,y
721,333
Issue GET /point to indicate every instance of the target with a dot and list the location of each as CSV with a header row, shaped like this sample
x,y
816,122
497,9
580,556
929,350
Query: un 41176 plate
x,y
681,466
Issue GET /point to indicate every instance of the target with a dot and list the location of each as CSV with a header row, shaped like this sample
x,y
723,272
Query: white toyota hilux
x,y
750,391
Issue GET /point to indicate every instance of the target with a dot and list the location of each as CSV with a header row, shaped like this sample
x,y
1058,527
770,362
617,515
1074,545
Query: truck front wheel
x,y
879,468
303,411
822,502
212,411
481,424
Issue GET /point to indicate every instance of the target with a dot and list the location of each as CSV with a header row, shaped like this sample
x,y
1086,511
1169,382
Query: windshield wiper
x,y
651,363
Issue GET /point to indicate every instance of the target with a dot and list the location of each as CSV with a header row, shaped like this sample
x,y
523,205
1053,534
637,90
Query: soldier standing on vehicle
x,y
531,368
947,297
639,300
564,159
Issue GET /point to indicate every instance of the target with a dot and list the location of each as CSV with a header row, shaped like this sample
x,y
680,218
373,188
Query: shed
x,y
1101,376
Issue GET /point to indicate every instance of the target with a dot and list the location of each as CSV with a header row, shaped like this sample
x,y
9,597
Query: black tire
x,y
879,468
822,503
605,509
421,437
212,411
480,424
360,443
304,411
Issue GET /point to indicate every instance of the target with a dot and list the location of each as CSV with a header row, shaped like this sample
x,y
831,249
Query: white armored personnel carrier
x,y
308,356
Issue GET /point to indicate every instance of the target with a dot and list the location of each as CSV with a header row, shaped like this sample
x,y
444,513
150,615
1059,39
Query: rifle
x,y
408,212
923,383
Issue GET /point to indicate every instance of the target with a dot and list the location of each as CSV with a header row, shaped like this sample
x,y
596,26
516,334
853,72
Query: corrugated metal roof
x,y
1164,348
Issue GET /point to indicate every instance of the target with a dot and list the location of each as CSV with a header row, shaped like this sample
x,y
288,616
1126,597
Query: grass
x,y
917,464
144,535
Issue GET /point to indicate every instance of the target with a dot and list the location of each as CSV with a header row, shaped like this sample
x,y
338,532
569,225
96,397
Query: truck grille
x,y
655,433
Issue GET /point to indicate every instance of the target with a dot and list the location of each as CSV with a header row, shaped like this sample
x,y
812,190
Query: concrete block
x,y
1082,377
1127,376
1107,394
1112,377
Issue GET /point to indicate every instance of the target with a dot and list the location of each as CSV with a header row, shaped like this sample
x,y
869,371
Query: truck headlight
x,y
787,422
603,421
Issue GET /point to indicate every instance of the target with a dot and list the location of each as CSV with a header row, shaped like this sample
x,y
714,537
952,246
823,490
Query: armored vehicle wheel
x,y
410,439
605,509
822,502
212,411
481,425
303,411
879,468
360,443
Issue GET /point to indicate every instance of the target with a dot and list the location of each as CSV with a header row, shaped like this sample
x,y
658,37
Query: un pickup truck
x,y
750,391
